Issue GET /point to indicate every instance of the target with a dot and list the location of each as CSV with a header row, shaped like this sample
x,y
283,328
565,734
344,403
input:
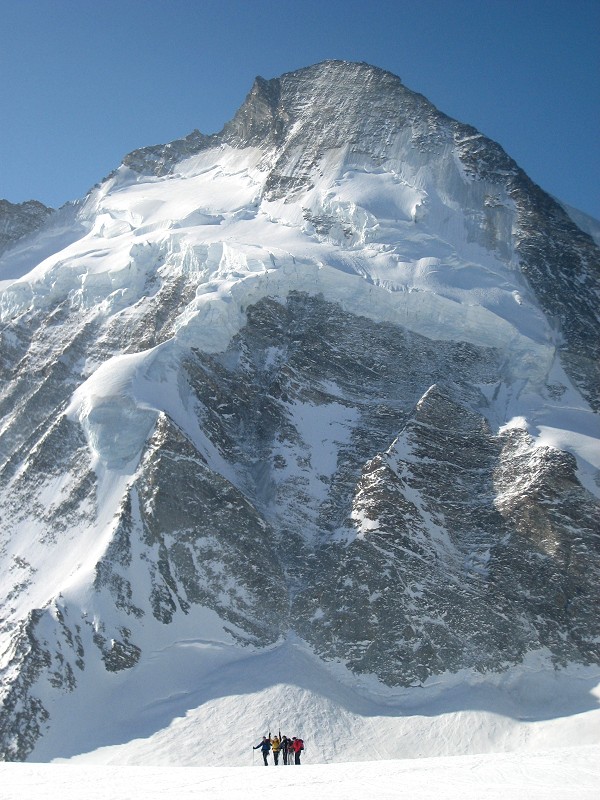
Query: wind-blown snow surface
x,y
151,278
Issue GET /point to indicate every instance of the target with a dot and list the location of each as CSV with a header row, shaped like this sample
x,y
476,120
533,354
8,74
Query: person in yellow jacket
x,y
276,747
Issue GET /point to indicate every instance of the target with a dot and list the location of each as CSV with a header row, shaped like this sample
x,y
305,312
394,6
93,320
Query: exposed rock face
x,y
258,418
19,219
446,572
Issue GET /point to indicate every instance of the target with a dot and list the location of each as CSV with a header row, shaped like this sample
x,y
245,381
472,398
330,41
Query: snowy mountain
x,y
316,395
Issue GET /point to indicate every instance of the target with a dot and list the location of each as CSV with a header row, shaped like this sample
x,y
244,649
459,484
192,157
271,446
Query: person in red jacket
x,y
297,747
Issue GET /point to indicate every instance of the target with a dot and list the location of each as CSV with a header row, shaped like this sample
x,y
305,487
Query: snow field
x,y
551,775
220,700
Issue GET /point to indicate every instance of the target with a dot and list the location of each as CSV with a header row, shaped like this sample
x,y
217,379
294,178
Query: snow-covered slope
x,y
329,375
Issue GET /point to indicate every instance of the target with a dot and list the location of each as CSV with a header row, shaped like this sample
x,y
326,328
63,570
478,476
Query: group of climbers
x,y
289,749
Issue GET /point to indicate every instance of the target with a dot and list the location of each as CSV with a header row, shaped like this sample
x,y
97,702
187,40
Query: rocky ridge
x,y
19,219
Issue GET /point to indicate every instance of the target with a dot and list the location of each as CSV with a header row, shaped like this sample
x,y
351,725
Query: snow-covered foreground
x,y
530,732
220,700
565,773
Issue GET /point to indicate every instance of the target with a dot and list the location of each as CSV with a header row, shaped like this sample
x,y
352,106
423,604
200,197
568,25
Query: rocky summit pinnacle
x,y
327,376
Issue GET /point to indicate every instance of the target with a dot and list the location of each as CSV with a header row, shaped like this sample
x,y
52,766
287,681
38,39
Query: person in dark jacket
x,y
265,746
284,748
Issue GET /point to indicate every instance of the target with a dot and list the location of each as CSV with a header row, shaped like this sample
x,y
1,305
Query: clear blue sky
x,y
83,82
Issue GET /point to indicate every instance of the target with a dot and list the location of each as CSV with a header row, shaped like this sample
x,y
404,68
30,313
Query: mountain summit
x,y
327,379
356,110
